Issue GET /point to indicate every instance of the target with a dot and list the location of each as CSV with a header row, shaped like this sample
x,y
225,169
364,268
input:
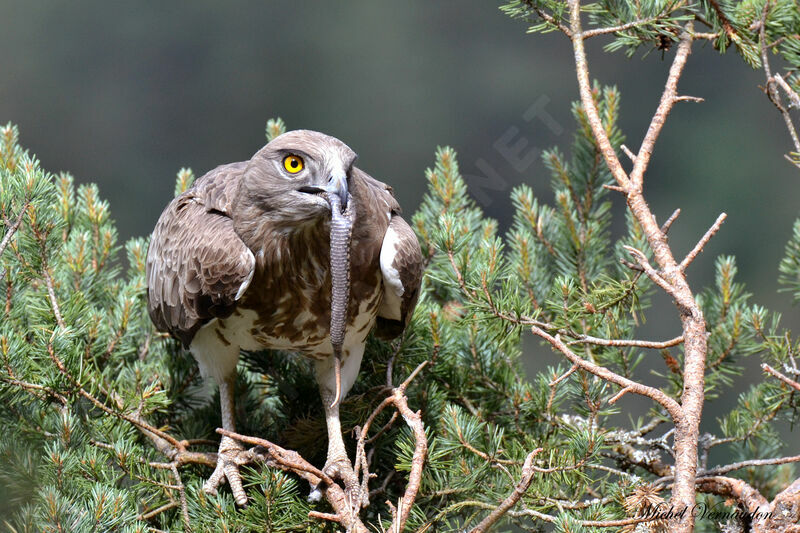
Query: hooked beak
x,y
337,184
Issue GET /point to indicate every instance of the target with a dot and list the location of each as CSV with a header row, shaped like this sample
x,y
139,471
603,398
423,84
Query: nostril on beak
x,y
337,184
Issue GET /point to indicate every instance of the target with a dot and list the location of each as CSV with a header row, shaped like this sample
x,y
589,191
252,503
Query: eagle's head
x,y
287,180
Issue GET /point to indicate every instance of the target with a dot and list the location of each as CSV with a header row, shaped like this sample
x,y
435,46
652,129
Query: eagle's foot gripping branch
x,y
230,457
341,469
342,500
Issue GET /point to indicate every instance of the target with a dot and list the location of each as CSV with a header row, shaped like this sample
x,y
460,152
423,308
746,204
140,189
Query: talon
x,y
229,458
343,471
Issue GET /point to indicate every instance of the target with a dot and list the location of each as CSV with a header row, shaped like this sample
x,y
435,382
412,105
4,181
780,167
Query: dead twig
x,y
668,224
619,395
791,93
157,511
182,497
14,227
651,392
648,269
628,152
512,499
622,27
771,90
792,383
702,242
720,470
51,293
668,98
655,345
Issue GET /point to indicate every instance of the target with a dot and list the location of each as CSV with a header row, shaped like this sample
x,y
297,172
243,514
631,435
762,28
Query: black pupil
x,y
294,163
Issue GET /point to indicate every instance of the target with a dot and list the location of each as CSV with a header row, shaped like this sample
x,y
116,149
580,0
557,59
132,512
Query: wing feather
x,y
380,227
197,266
401,266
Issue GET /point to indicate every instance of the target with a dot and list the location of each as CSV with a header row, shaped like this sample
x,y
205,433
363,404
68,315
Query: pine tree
x,y
107,425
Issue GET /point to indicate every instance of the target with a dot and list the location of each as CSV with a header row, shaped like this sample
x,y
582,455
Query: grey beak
x,y
337,184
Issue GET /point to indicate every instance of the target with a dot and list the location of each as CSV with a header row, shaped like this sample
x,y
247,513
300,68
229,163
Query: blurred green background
x,y
126,93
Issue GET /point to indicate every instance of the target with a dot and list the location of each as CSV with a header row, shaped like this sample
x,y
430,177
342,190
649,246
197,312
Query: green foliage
x,y
275,127
657,24
81,363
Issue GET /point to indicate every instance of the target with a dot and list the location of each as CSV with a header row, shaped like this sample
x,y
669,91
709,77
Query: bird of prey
x,y
242,261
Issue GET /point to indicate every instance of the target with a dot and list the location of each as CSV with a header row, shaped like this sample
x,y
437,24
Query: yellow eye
x,y
293,164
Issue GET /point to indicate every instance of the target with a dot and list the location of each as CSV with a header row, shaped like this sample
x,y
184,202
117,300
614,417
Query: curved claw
x,y
337,373
229,459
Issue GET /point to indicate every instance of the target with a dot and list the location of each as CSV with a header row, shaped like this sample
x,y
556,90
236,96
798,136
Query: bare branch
x,y
619,395
552,519
291,461
785,508
182,497
414,421
616,29
588,339
791,93
587,98
551,20
51,293
564,376
700,36
512,499
627,151
149,515
750,498
687,415
695,99
747,464
273,455
766,368
649,270
616,188
14,227
670,220
651,392
632,266
668,99
703,241
772,92
554,384
324,516
404,385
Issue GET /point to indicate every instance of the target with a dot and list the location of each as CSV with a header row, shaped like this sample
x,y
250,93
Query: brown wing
x,y
197,266
380,233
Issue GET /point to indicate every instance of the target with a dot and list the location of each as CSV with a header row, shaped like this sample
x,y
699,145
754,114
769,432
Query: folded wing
x,y
401,266
197,266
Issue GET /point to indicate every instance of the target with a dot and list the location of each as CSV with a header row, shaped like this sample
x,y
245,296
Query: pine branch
x,y
654,394
686,416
